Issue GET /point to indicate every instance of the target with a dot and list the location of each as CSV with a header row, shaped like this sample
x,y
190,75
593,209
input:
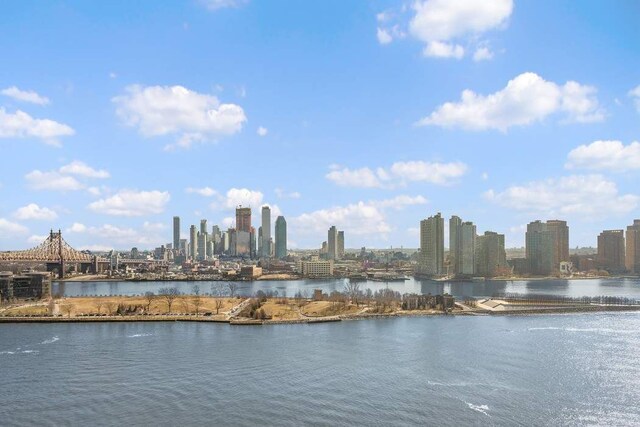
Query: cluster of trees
x,y
560,299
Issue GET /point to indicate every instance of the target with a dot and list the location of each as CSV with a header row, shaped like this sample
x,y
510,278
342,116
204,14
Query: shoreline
x,y
315,320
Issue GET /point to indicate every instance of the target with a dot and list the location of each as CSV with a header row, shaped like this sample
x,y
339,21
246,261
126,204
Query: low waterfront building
x,y
250,272
34,285
315,267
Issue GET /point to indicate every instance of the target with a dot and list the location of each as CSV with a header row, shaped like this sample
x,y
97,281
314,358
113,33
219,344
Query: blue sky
x,y
115,116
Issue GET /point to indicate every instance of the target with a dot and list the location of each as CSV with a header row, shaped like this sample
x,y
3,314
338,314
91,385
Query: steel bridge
x,y
55,252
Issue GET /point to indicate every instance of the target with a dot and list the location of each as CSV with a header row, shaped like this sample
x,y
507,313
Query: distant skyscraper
x,y
455,224
340,244
632,257
259,241
193,242
176,233
560,232
491,259
539,248
467,249
281,237
332,243
243,219
611,251
462,240
431,257
266,231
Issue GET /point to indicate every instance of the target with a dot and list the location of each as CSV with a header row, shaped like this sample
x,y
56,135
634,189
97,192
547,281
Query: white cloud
x,y
77,228
383,36
222,4
38,180
439,22
363,178
10,229
526,99
22,125
262,131
482,53
37,239
132,203
243,196
605,155
400,202
204,191
281,194
635,94
176,110
33,211
435,173
25,95
436,49
356,219
398,174
585,196
82,169
109,236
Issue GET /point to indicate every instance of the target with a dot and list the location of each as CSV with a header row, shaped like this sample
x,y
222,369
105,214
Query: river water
x,y
575,288
442,370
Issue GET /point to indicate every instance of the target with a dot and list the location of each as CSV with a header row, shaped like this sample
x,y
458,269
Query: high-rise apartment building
x,y
462,240
611,251
281,237
632,256
560,232
431,258
332,243
266,231
243,219
193,242
340,244
539,248
176,234
491,259
455,224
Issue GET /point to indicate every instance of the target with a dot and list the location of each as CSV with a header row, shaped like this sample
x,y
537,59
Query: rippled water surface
x,y
519,370
626,287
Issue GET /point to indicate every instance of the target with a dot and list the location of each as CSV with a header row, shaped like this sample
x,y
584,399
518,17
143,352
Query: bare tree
x,y
353,291
150,297
218,304
195,290
111,306
99,304
184,303
169,295
67,308
233,287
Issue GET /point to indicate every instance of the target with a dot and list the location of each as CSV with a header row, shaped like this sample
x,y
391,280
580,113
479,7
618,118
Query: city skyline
x,y
495,123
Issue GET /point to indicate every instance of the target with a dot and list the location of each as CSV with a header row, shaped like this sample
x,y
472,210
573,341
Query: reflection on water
x,y
626,287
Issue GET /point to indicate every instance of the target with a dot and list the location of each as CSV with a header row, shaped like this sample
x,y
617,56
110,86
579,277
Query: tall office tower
x,y
193,242
281,237
560,233
611,251
539,248
183,247
467,251
431,258
203,237
176,234
332,243
243,219
491,259
266,231
455,224
203,226
340,244
216,239
253,253
632,258
260,240
225,243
